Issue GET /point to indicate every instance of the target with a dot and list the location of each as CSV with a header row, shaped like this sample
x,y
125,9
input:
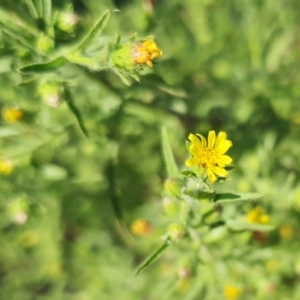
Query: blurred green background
x,y
68,202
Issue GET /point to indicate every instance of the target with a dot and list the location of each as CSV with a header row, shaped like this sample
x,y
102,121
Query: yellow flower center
x,y
208,158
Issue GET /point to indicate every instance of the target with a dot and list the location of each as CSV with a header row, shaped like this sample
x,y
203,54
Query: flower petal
x,y
191,162
219,171
195,140
211,176
211,139
224,146
203,139
222,136
194,150
227,160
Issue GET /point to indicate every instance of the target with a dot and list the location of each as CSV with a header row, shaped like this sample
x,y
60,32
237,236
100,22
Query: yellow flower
x,y
286,232
232,292
11,115
140,227
258,215
145,52
210,154
6,167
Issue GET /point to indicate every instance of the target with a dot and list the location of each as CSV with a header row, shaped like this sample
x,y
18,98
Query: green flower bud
x,y
50,93
132,55
67,21
172,187
176,232
170,207
44,43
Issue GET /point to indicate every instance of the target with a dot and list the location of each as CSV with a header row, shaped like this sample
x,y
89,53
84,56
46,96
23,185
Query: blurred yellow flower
x,y
140,227
145,52
6,167
232,292
209,154
286,232
11,115
258,215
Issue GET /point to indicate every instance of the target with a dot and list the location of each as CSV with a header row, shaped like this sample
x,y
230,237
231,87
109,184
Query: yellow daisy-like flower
x,y
11,115
209,154
232,292
145,52
258,215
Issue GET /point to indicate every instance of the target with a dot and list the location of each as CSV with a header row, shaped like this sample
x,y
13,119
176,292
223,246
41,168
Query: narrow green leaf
x,y
149,260
76,112
95,32
8,132
49,66
232,197
241,225
168,155
47,11
39,7
32,9
17,32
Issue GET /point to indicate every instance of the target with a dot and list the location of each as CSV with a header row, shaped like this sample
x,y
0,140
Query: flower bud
x,y
133,55
50,93
67,21
172,187
176,232
44,43
170,207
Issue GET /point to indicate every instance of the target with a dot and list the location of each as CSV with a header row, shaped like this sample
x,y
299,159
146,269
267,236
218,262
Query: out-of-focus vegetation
x,y
83,194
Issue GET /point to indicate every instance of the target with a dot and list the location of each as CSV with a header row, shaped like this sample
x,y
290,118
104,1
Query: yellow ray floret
x,y
210,154
146,51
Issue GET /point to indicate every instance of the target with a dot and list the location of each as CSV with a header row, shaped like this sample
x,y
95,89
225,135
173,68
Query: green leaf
x,y
49,66
189,174
168,155
17,32
149,260
232,197
47,11
123,76
53,172
94,33
242,225
8,132
31,8
76,112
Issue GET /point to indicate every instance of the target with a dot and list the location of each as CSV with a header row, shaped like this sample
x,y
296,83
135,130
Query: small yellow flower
x,y
145,52
140,227
209,154
232,292
6,167
286,232
11,115
258,215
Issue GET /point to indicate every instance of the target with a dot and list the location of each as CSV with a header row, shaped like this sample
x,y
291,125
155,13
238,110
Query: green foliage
x,y
83,155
